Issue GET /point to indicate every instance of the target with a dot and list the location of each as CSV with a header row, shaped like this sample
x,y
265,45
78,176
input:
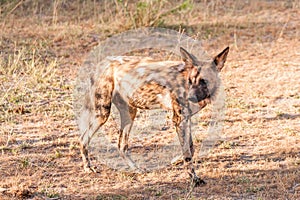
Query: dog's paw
x,y
91,169
196,181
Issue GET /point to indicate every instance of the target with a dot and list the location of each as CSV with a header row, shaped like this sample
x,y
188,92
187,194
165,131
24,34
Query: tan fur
x,y
132,83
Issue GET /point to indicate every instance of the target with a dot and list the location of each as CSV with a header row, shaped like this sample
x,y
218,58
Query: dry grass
x,y
43,43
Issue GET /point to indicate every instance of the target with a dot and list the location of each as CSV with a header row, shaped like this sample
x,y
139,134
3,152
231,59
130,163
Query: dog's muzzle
x,y
196,96
193,99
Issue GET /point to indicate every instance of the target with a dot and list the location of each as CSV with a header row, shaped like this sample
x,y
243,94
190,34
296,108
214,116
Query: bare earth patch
x,y
43,44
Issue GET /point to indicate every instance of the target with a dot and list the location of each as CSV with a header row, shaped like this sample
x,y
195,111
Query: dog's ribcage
x,y
145,83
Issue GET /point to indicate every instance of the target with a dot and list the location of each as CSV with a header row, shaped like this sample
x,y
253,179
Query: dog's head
x,y
202,77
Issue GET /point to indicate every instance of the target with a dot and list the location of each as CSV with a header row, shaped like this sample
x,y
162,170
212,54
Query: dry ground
x,y
42,45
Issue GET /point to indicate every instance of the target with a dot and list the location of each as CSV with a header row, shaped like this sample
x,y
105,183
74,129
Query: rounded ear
x,y
188,58
220,59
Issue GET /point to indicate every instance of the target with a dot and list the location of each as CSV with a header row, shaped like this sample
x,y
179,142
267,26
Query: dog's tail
x,y
95,108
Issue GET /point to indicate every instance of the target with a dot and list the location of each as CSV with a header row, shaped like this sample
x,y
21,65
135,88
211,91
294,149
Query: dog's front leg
x,y
182,120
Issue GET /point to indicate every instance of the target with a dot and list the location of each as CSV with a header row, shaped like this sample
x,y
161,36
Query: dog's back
x,y
143,82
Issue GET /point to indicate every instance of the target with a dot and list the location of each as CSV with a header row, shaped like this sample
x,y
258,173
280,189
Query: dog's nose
x,y
193,99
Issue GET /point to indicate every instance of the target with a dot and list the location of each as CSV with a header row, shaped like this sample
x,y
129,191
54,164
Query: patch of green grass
x,y
25,162
24,145
58,154
50,193
254,189
127,176
158,193
229,145
242,180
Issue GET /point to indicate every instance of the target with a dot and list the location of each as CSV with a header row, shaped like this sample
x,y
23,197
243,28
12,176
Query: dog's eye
x,y
203,82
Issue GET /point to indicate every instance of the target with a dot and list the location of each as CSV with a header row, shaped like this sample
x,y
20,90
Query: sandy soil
x,y
42,46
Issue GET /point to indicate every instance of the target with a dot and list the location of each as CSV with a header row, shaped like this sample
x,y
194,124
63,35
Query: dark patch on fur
x,y
98,95
181,84
92,81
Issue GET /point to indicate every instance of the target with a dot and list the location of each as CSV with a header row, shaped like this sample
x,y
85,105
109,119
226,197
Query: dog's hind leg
x,y
127,114
94,114
93,122
126,125
84,140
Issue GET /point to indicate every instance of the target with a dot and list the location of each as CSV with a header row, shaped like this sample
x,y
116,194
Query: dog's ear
x,y
220,59
191,64
189,59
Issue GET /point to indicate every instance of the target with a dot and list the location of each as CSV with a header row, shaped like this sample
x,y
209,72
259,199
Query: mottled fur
x,y
132,83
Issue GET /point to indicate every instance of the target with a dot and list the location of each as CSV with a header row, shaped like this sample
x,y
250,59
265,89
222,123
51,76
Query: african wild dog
x,y
132,83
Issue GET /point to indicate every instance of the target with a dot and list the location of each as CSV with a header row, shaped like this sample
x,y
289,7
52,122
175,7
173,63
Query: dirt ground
x,y
44,43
